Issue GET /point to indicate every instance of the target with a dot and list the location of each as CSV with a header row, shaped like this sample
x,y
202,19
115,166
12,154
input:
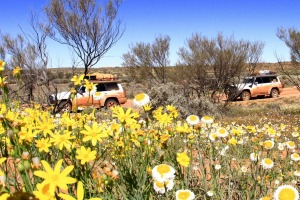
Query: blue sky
x,y
253,20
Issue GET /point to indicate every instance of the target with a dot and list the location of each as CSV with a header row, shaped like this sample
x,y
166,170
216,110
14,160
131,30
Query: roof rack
x,y
101,77
263,72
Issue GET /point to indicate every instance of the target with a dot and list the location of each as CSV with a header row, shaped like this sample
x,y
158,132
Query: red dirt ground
x,y
290,92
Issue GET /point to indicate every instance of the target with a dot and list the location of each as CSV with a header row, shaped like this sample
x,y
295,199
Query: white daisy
x,y
268,144
295,157
222,132
276,182
254,157
212,136
207,120
290,145
287,192
280,146
267,163
141,99
218,167
160,187
185,194
210,193
295,134
297,173
193,120
244,169
163,172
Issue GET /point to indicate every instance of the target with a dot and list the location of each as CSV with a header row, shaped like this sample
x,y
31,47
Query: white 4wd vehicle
x,y
107,93
264,84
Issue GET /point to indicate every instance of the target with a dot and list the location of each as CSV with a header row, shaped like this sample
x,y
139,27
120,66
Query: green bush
x,y
172,94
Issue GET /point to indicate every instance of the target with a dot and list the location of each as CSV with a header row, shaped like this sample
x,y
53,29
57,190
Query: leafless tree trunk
x,y
291,37
29,51
149,62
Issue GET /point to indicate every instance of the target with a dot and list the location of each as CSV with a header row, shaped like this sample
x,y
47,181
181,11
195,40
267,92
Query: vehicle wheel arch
x,y
65,102
244,92
110,99
276,90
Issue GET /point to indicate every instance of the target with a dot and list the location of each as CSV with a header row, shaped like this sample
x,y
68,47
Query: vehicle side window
x,y
259,80
101,87
274,79
266,80
112,86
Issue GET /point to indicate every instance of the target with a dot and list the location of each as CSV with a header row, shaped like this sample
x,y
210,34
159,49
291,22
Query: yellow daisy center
x,y
184,195
295,155
163,169
193,118
268,161
159,184
291,144
140,97
222,131
207,118
286,194
269,144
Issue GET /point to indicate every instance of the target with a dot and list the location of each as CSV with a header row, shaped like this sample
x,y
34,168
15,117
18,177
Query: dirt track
x,y
290,92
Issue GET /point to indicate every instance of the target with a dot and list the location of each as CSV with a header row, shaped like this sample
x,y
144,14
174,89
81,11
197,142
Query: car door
x,y
263,86
98,96
82,98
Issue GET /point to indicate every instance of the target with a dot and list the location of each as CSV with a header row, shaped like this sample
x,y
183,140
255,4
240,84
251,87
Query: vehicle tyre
x,y
110,103
64,106
245,96
274,93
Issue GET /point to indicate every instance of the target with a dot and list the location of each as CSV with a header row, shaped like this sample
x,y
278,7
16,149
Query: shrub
x,y
172,94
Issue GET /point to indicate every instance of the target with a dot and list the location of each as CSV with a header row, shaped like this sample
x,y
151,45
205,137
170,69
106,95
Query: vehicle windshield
x,y
248,80
80,89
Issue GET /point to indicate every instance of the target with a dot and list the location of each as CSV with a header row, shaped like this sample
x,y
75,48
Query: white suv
x,y
263,84
111,94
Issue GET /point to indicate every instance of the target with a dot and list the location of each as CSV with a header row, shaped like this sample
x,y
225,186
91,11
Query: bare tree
x,y
85,26
291,37
149,61
209,65
28,51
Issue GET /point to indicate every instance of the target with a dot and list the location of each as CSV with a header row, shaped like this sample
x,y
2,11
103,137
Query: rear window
x,y
112,86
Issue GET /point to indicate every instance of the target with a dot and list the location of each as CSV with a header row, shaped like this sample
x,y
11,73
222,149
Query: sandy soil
x,y
290,92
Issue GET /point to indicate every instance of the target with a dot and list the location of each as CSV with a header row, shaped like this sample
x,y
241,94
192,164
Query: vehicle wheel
x,y
64,106
274,93
110,103
245,96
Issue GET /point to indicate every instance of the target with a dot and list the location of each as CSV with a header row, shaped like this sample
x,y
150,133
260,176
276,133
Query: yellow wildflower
x,y
77,80
183,159
55,178
17,71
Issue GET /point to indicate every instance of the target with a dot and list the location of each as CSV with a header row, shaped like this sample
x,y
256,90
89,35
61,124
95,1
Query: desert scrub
x,y
173,94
